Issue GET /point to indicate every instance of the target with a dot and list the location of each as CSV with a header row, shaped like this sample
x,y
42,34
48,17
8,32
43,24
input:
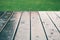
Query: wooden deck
x,y
35,25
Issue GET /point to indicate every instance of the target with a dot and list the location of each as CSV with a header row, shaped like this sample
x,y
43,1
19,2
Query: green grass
x,y
30,5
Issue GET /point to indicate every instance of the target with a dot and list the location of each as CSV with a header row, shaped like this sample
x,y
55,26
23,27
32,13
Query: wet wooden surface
x,y
42,25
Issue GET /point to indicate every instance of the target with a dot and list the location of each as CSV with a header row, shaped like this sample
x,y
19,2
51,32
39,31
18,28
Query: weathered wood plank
x,y
1,13
4,20
50,29
37,32
8,32
23,32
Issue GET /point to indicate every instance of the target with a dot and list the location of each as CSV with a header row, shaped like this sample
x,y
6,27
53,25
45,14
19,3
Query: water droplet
x,y
33,17
37,36
52,29
47,24
22,22
53,39
49,36
51,32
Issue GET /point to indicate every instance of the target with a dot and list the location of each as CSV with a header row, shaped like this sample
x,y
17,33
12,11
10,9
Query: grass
x,y
30,5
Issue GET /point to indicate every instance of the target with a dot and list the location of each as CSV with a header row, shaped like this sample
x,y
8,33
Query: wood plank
x,y
8,32
23,32
55,19
57,13
4,20
37,32
1,13
50,29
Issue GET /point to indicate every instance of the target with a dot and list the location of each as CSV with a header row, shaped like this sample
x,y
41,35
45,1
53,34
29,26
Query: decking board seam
x,y
43,26
6,22
53,23
30,25
18,25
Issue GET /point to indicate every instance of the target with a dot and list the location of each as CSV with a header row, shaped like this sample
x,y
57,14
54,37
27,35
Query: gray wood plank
x,y
50,29
55,19
57,13
37,32
23,32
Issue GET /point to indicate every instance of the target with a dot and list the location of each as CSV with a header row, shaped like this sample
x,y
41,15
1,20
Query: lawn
x,y
30,5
